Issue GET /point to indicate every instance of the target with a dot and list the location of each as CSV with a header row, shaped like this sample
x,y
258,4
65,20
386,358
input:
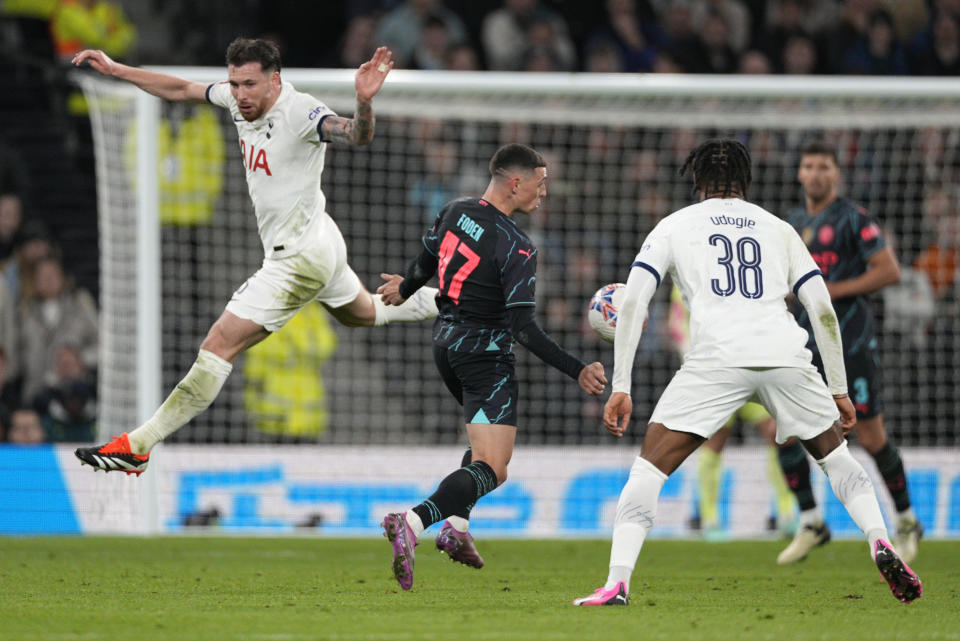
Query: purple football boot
x,y
403,540
458,546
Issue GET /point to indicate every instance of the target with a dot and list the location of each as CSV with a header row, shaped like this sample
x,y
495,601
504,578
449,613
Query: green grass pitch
x,y
293,589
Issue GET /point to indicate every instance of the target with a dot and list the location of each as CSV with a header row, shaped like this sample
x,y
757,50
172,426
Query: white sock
x,y
636,511
852,486
413,520
459,523
191,396
421,306
811,517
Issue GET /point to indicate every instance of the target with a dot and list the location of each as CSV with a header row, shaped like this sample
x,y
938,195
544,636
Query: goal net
x,y
613,144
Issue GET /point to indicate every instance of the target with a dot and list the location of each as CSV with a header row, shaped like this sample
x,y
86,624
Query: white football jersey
x,y
283,156
734,263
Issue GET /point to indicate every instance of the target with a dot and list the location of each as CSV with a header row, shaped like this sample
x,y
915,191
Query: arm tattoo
x,y
363,122
351,131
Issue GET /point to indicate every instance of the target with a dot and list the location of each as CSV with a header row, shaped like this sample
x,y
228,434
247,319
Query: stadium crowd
x,y
872,37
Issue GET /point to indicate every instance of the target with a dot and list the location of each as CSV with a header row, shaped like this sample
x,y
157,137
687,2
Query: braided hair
x,y
721,166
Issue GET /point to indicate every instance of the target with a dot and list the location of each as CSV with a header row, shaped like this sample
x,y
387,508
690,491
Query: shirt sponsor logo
x,y
316,112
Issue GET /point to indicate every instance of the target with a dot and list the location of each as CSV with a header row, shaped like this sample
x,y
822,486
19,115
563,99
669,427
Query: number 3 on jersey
x,y
748,274
452,245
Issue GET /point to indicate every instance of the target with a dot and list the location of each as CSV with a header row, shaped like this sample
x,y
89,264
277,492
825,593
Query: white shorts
x,y
700,401
283,286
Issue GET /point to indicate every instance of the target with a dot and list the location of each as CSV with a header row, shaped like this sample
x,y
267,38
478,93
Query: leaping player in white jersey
x,y
283,135
734,264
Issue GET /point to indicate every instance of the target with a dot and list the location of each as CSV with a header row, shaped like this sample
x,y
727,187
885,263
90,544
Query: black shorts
x,y
864,383
484,383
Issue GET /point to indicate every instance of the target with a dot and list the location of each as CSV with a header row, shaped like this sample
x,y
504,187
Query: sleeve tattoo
x,y
351,131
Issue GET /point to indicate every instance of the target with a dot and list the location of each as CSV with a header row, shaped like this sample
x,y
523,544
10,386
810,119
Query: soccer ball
x,y
604,310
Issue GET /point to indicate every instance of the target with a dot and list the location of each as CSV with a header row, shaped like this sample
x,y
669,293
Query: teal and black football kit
x,y
841,239
487,269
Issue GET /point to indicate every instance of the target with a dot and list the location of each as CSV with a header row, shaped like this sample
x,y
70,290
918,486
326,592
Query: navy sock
x,y
458,490
796,469
891,469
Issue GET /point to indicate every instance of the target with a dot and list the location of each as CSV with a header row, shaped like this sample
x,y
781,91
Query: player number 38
x,y
748,277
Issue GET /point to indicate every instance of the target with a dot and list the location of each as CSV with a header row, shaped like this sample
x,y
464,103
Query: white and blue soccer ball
x,y
604,310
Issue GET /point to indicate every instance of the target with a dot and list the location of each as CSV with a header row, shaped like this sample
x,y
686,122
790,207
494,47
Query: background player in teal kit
x,y
486,266
847,245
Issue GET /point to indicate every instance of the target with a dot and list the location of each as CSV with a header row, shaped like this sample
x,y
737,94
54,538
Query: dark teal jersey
x,y
841,239
485,266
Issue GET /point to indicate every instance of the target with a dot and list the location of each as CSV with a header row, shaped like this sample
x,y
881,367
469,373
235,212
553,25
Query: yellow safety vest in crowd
x,y
190,166
283,387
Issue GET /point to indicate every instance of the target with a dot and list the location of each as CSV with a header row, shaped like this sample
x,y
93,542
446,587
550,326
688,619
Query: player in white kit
x,y
734,264
283,135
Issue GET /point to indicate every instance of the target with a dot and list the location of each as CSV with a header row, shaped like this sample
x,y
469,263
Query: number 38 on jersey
x,y
741,271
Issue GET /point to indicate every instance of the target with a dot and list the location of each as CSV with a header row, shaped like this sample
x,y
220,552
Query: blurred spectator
x,y
754,62
799,56
11,222
9,338
520,25
633,38
734,14
718,55
908,305
666,63
53,317
357,44
603,56
878,52
433,50
463,57
34,245
68,405
788,18
854,24
938,53
25,428
940,259
9,389
808,16
402,28
437,185
540,59
684,50
91,24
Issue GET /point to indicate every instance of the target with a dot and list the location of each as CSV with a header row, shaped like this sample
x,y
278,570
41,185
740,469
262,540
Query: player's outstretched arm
x,y
158,84
368,81
523,326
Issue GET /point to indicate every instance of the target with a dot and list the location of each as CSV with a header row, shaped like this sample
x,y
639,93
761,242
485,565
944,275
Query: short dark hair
x,y
819,148
721,166
244,50
515,156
